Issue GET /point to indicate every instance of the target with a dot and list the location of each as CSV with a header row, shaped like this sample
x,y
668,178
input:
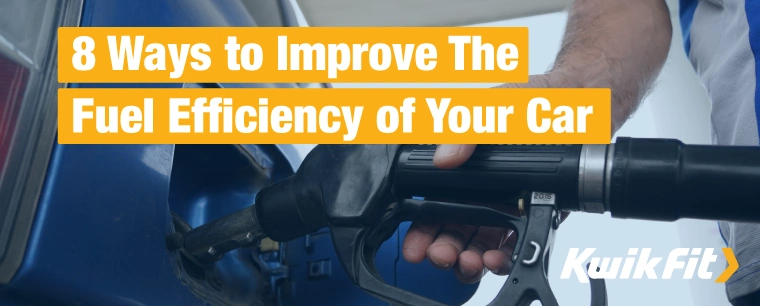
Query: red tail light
x,y
28,114
13,80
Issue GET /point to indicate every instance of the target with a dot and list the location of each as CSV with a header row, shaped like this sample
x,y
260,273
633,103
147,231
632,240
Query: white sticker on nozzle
x,y
543,198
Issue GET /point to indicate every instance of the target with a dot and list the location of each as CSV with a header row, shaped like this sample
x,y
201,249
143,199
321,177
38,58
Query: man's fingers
x,y
470,268
498,261
487,238
451,242
449,156
419,237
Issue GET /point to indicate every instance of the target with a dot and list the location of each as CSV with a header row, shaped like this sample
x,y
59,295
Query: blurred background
x,y
676,108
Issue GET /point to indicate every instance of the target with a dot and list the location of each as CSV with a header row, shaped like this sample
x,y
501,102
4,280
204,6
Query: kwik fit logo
x,y
681,263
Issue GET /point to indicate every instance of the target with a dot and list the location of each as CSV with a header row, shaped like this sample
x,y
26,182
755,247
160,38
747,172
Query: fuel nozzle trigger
x,y
357,245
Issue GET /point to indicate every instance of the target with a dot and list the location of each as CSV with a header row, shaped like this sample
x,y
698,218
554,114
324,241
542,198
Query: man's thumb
x,y
449,156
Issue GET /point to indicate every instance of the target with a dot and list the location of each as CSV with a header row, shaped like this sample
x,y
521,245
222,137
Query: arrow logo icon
x,y
732,266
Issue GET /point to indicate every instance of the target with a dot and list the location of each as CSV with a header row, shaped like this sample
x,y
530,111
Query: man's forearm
x,y
617,44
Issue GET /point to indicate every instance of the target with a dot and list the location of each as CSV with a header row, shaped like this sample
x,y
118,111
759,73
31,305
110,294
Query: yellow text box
x,y
387,54
334,116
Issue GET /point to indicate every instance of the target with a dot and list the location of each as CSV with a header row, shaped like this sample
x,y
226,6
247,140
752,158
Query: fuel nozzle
x,y
347,184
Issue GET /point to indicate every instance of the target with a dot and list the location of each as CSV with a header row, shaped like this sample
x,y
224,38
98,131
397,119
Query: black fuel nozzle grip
x,y
493,174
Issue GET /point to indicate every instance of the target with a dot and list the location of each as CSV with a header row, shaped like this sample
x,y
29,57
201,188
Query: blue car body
x,y
96,231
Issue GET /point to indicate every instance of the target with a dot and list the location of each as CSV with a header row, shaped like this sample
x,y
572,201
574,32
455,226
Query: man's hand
x,y
471,249
616,44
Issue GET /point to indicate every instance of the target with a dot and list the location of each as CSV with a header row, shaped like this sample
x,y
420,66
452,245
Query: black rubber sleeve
x,y
279,214
665,180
